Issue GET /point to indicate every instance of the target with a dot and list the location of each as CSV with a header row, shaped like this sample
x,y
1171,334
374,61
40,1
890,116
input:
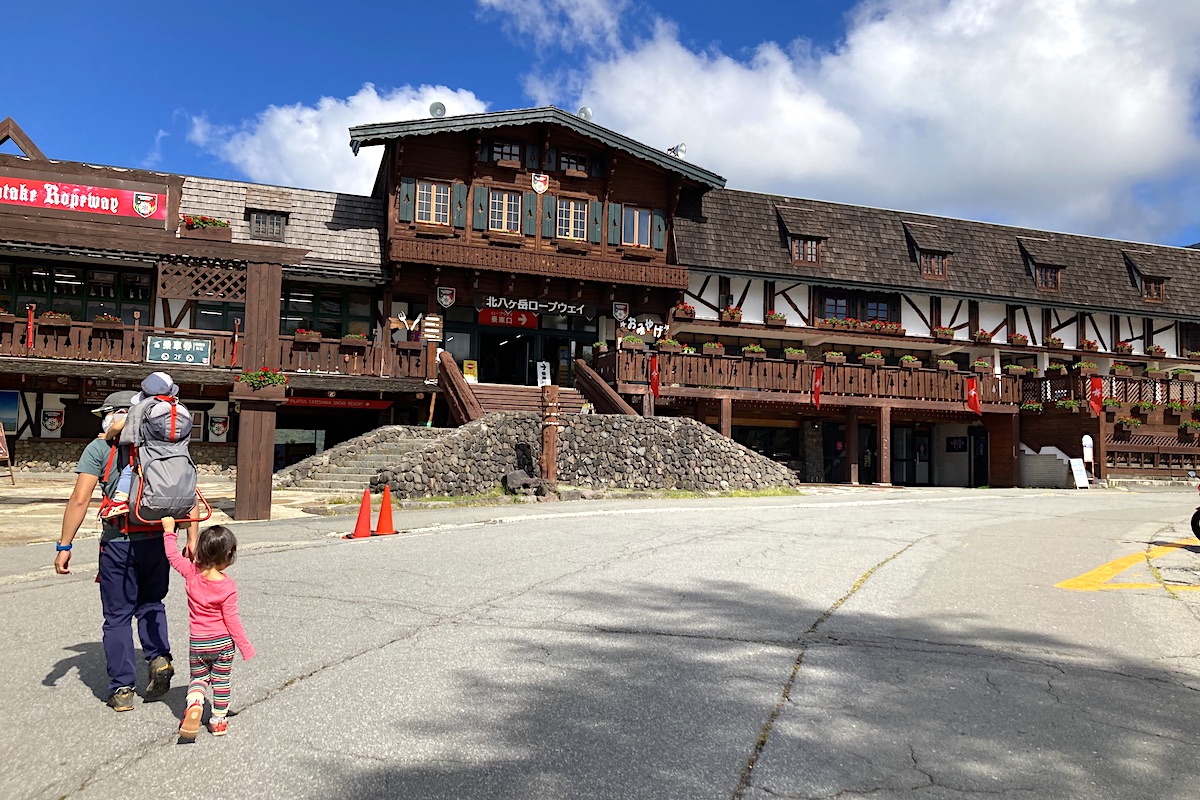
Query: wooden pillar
x,y
885,446
726,426
256,422
549,461
852,446
260,343
648,405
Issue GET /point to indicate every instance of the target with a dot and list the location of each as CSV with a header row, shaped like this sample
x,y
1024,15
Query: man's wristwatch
x,y
59,546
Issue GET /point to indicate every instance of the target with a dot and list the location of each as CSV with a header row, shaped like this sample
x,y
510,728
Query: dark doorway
x,y
868,454
911,449
978,442
834,445
504,358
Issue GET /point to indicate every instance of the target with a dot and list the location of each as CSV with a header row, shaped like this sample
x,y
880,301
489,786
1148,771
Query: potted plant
x,y
1175,408
1032,406
107,322
714,349
947,365
943,332
1089,344
754,351
633,342
822,322
794,354
1085,368
888,328
689,350
306,335
834,357
1068,405
1015,369
910,362
872,358
1189,426
1123,347
982,366
1121,369
1128,423
1144,407
684,311
54,319
1054,343
1183,374
1156,350
355,340
1018,339
669,346
261,384
1111,404
982,336
599,348
199,226
732,314
1194,355
1057,368
1155,374
776,319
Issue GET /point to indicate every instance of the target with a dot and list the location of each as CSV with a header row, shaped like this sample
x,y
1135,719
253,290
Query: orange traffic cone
x,y
362,526
385,514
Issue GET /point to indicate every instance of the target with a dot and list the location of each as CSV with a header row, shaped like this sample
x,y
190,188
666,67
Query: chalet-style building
x,y
531,246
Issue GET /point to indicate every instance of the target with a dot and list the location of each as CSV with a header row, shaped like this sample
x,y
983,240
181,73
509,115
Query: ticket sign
x,y
508,319
170,350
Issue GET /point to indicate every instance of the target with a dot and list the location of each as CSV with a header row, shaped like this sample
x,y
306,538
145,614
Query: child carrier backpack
x,y
164,475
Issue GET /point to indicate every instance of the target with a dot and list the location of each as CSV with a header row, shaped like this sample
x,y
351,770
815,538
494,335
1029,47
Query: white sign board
x,y
543,373
1079,473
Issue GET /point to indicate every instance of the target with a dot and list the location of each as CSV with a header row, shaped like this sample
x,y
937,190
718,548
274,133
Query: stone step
x,y
309,483
338,473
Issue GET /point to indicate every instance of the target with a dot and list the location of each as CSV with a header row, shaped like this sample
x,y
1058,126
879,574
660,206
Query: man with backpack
x,y
133,573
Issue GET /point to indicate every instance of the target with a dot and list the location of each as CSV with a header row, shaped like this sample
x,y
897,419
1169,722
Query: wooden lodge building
x,y
514,242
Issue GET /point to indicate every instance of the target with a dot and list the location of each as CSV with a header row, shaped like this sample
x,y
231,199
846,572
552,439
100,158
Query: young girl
x,y
215,626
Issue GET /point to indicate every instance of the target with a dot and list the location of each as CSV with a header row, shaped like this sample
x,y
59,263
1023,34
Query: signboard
x,y
446,296
99,201
506,319
543,368
431,328
338,402
559,308
471,371
96,389
171,350
1079,473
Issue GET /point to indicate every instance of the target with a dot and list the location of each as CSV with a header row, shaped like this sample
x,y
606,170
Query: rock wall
x,y
595,451
61,455
347,451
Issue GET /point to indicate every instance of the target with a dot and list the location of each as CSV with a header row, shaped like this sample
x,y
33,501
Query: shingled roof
x,y
747,233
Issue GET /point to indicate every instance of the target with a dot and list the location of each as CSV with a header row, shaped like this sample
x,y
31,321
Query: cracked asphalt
x,y
882,644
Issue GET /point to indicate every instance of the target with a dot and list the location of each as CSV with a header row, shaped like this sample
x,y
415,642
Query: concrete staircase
x,y
350,466
502,397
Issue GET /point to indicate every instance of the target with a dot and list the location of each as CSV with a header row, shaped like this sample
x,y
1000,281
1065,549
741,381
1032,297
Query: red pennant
x,y
818,379
1096,395
973,396
654,375
29,332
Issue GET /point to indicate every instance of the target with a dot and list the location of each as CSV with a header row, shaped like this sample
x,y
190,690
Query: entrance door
x,y
560,352
868,454
505,358
979,456
922,447
834,440
903,450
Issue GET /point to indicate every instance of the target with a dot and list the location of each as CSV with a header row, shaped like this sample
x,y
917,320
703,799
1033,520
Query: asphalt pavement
x,y
903,643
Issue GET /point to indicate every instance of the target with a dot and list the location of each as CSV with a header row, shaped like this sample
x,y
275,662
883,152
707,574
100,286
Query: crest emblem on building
x,y
446,295
218,426
620,311
52,419
145,204
541,182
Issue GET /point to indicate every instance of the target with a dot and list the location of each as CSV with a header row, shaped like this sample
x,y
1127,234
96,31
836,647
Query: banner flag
x,y
818,378
1096,395
973,396
654,375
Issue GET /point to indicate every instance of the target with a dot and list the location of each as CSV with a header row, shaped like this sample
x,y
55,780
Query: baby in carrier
x,y
158,428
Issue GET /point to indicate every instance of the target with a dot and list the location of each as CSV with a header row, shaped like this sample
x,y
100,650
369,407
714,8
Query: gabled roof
x,y
927,237
379,133
1147,264
726,230
799,222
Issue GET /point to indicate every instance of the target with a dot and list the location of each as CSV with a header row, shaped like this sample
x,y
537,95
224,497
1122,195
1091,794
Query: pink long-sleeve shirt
x,y
212,605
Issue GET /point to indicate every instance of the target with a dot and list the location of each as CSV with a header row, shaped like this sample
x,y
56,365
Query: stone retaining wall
x,y
595,451
61,455
347,451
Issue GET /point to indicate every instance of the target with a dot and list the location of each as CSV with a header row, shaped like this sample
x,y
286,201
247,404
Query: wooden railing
x,y
775,375
337,357
1127,390
464,406
599,394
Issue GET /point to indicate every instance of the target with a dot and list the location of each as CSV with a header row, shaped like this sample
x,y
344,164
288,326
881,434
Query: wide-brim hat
x,y
114,401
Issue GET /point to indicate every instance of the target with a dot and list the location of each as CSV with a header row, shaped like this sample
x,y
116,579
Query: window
x,y
433,203
878,310
575,162
806,249
504,211
835,306
84,294
266,225
333,312
843,304
218,316
1152,289
933,265
1046,277
572,219
636,230
506,151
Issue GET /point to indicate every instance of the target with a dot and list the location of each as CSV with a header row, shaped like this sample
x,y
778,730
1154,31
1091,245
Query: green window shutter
x,y
531,156
614,224
529,214
549,216
458,205
485,151
658,229
406,197
551,161
479,219
596,164
595,214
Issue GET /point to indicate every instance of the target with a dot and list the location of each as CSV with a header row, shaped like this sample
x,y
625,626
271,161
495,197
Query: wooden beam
x,y
726,424
885,445
9,129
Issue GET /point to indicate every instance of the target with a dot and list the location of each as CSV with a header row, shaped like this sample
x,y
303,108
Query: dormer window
x,y
267,225
933,265
1046,277
806,250
506,154
1153,289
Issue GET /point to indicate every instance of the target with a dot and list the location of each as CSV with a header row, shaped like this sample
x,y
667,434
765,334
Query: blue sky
x,y
1076,115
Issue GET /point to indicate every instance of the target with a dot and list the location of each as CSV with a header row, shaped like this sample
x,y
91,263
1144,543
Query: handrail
x,y
598,393
464,406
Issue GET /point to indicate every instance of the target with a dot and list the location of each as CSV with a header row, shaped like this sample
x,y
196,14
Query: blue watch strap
x,y
59,546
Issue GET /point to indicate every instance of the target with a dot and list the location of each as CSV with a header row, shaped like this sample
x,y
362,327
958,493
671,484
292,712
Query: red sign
x,y
508,319
337,402
81,198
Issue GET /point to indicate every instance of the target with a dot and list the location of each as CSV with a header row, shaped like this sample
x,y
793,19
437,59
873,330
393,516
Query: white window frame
x,y
631,238
504,211
571,222
433,203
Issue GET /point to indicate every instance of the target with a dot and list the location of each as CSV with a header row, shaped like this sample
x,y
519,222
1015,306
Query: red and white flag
x,y
973,396
654,375
1096,395
818,378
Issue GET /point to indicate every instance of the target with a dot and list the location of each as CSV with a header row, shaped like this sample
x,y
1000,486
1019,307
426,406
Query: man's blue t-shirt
x,y
93,462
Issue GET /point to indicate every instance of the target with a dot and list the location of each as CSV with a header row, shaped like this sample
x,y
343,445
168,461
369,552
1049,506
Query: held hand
x,y
168,524
62,562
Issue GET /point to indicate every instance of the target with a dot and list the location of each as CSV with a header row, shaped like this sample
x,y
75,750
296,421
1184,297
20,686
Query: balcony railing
x,y
776,375
1126,389
339,357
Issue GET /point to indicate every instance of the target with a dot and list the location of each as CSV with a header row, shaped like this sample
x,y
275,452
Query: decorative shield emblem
x,y
541,182
446,295
52,420
145,204
218,426
620,311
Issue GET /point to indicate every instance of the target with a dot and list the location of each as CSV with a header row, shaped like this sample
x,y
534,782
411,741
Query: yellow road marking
x,y
1097,580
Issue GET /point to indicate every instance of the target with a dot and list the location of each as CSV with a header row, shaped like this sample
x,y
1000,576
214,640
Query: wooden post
x,y
852,445
726,417
256,422
549,461
885,446
648,405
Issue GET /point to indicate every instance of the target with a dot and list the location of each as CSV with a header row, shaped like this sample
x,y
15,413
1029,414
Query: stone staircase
x,y
502,397
350,466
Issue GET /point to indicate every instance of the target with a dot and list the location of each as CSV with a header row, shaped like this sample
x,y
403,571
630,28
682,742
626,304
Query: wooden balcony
x,y
776,380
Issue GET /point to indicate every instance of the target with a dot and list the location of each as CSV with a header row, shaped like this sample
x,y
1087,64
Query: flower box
x,y
307,338
668,348
355,342
981,370
599,349
943,333
1186,377
1156,374
825,324
834,359
947,366
1085,372
107,325
910,365
754,355
1054,344
794,356
271,392
1156,351
709,350
1018,339
633,343
1124,372
872,362
211,233
1123,347
731,317
684,313
776,323
53,322
1090,346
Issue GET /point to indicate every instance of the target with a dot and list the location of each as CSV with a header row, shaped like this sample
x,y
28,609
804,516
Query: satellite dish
x,y
437,110
584,113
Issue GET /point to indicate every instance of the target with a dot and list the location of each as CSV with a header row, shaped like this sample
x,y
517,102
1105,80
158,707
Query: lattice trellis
x,y
192,280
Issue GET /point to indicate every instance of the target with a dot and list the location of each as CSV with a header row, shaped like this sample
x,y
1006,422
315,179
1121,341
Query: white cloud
x,y
586,24
1070,114
154,157
308,146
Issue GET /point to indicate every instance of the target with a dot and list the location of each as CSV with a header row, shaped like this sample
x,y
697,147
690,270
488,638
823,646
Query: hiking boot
x,y
161,673
218,727
122,699
115,510
191,722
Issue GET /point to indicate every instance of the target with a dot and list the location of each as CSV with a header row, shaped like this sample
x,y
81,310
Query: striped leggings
x,y
211,661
